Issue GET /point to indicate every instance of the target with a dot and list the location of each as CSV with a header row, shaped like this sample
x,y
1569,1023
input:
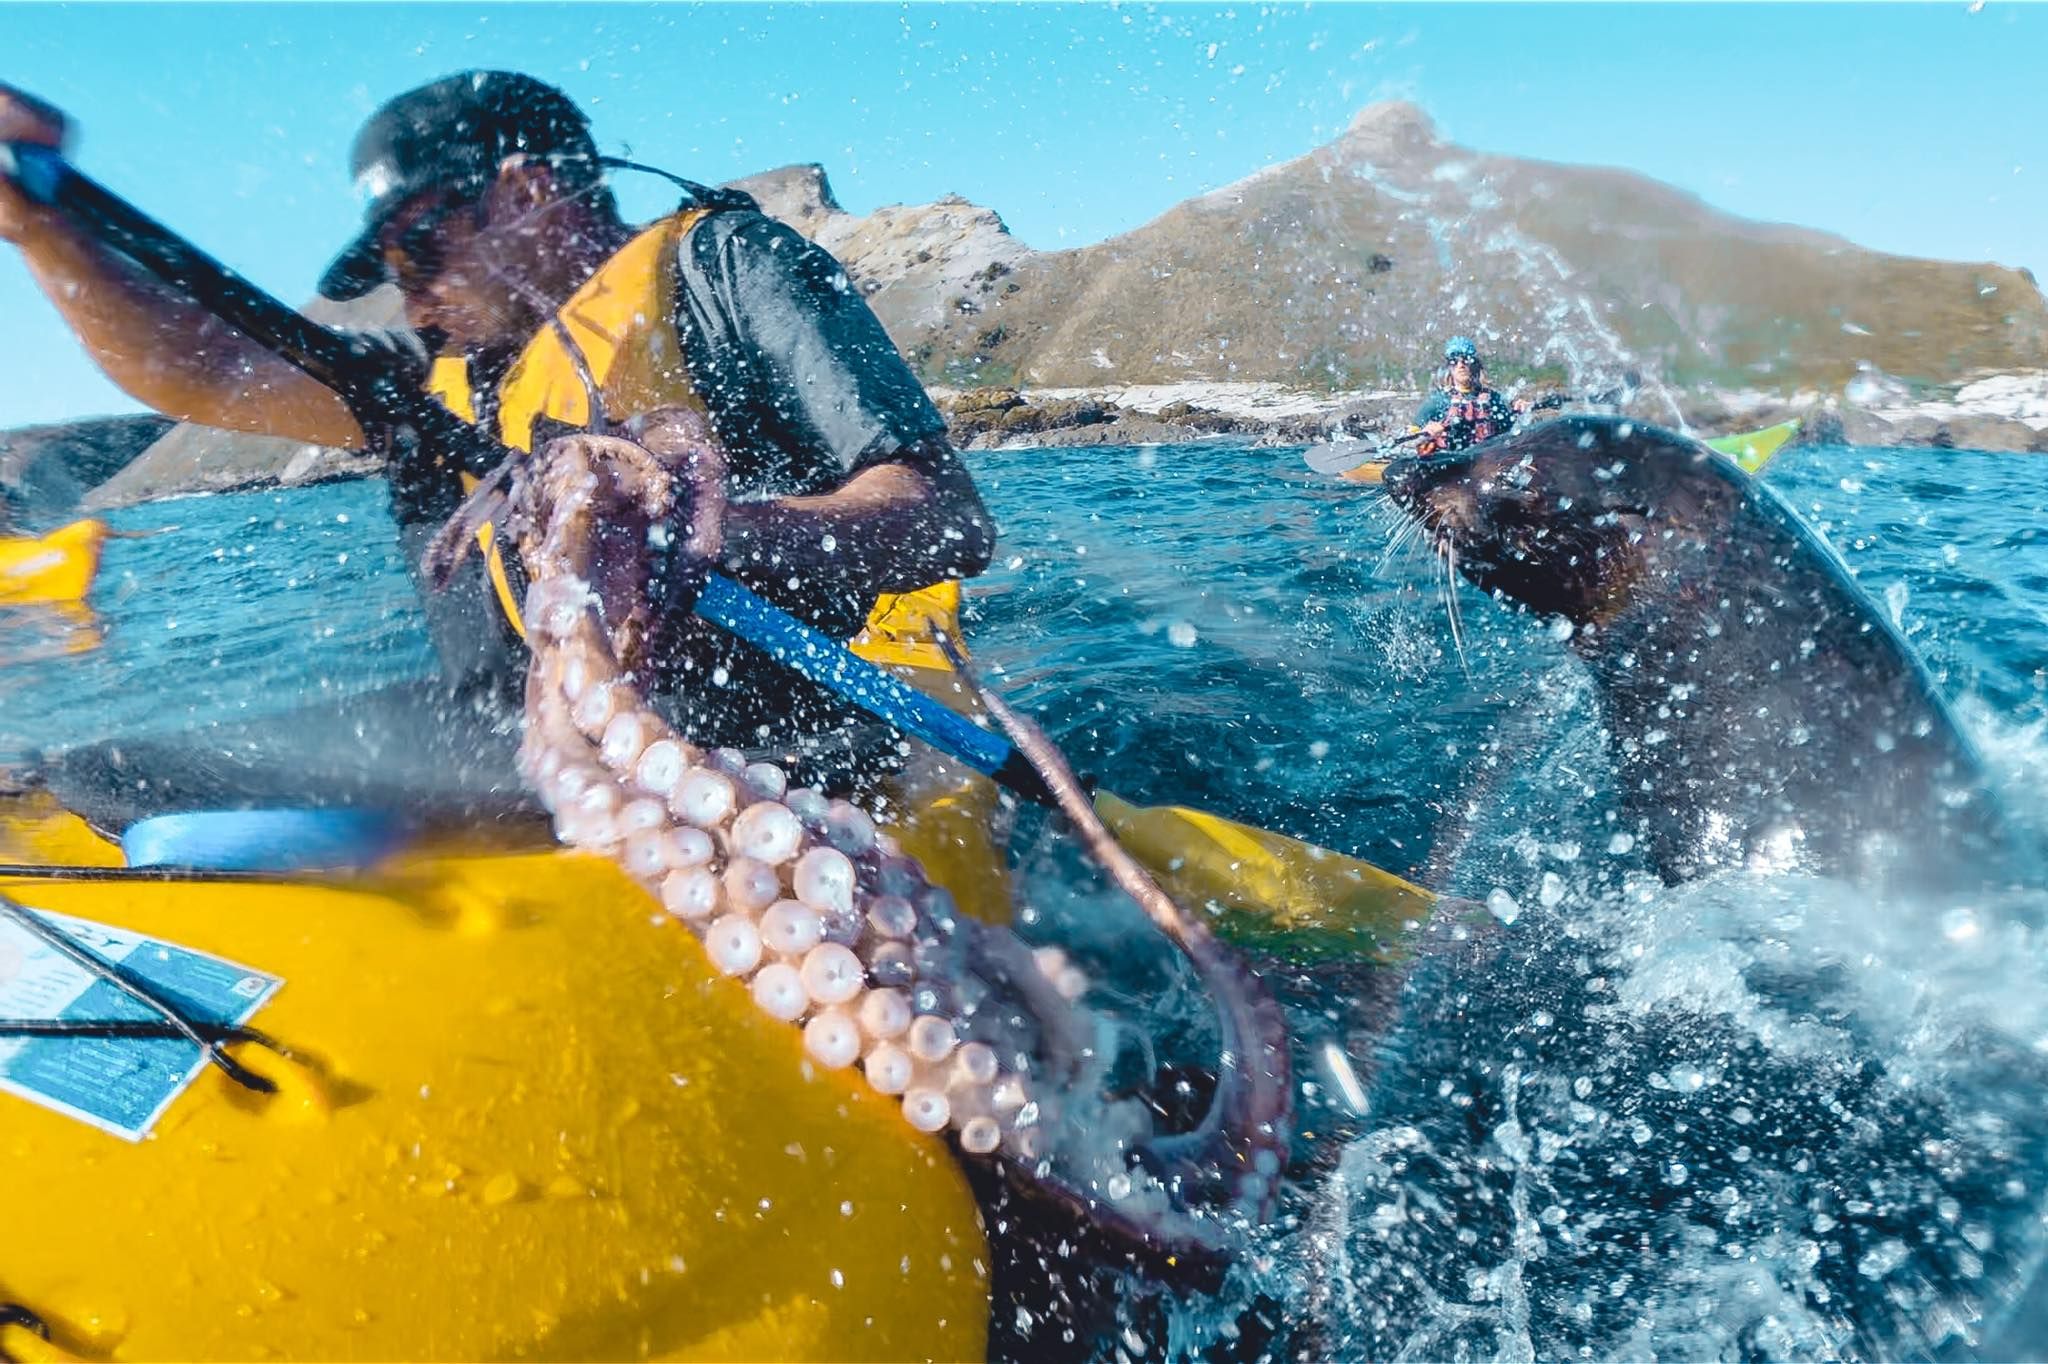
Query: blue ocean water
x,y
1747,1117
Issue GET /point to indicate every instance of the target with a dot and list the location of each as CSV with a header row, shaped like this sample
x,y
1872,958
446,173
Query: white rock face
x,y
913,262
2019,397
1260,402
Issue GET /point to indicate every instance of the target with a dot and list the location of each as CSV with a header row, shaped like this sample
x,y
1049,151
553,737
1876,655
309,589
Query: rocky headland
x,y
1309,300
2006,412
46,471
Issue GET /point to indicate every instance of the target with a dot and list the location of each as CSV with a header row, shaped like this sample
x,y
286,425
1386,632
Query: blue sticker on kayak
x,y
120,1085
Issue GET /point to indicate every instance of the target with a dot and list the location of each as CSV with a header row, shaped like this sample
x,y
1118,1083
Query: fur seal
x,y
1763,712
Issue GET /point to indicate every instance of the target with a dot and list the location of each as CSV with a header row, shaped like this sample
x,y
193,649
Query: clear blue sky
x,y
1909,128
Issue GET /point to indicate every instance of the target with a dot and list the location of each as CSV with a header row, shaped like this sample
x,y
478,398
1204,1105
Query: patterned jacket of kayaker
x,y
1468,418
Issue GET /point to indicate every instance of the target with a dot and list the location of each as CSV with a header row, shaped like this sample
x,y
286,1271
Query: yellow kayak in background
x,y
1359,461
53,568
1754,449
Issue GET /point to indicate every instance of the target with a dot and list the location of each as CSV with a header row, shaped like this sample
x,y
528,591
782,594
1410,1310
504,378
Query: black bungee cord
x,y
210,1038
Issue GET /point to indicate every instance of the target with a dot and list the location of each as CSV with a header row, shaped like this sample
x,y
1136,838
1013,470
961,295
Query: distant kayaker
x,y
487,205
1462,410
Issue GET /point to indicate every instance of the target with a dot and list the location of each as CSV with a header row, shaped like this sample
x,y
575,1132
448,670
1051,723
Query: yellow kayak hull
x,y
1750,449
525,1118
1269,892
54,568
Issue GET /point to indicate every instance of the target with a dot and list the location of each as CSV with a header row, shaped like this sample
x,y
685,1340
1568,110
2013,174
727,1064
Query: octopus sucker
x,y
832,1038
704,797
889,1068
792,928
811,906
661,766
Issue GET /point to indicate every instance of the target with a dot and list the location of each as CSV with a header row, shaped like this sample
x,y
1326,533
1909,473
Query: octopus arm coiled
x,y
787,890
816,911
1249,1121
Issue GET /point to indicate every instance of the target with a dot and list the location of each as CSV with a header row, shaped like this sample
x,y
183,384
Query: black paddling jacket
x,y
804,388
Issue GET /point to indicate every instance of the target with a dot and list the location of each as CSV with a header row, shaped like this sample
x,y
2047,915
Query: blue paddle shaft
x,y
830,664
36,169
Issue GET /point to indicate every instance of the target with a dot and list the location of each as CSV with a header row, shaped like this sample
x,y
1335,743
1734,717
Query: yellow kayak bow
x,y
1754,449
53,568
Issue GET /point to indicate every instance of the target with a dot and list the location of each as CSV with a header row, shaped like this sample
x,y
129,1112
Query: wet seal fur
x,y
1762,710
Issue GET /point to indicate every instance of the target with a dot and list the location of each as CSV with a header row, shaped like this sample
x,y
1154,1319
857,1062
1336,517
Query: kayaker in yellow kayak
x,y
1462,410
721,340
487,205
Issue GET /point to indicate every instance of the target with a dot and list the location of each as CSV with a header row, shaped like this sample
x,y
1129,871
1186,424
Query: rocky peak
x,y
798,195
1390,130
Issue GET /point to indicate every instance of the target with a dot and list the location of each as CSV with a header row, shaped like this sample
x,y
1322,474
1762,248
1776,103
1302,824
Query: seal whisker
x,y
1450,563
1407,539
1398,539
1405,534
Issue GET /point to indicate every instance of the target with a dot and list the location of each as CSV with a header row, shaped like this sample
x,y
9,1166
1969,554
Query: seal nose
x,y
1406,479
1398,479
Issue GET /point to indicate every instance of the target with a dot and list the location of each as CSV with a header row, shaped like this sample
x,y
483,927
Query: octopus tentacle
x,y
485,505
816,911
1249,1119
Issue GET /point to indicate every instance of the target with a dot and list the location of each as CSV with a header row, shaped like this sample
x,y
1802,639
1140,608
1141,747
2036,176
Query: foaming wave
x,y
1750,1116
2015,753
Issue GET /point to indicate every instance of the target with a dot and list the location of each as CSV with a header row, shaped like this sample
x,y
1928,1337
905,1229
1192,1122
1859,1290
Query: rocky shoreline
x,y
2002,413
105,463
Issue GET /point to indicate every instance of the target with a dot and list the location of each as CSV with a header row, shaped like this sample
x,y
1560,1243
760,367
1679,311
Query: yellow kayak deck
x,y
522,1117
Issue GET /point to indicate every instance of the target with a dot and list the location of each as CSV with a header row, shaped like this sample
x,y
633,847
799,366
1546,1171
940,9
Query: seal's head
x,y
1569,518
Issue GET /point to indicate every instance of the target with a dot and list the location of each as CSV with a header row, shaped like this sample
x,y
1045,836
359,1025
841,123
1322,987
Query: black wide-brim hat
x,y
453,134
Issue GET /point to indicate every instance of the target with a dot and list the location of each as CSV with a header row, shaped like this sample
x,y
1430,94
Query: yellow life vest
x,y
622,321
